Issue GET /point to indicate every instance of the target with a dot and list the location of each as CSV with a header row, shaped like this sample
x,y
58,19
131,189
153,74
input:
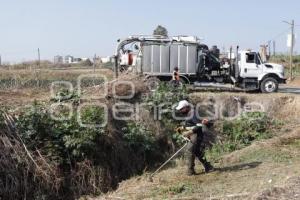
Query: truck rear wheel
x,y
177,84
152,83
269,85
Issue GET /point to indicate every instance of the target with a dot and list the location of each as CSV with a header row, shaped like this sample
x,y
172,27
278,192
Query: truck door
x,y
252,66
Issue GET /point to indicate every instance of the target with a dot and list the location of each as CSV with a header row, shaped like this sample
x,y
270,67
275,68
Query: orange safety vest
x,y
175,76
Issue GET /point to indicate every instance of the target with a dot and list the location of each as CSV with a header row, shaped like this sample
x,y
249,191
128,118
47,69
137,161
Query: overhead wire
x,y
278,35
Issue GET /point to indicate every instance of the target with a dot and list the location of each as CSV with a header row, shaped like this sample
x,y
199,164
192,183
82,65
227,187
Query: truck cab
x,y
264,76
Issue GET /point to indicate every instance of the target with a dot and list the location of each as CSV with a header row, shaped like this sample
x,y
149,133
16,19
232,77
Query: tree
x,y
160,30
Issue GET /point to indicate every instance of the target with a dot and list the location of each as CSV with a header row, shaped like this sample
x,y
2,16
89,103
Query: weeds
x,y
59,139
175,189
285,59
241,132
89,159
164,98
263,155
141,141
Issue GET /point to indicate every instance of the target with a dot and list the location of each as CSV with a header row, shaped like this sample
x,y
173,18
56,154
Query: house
x,y
68,59
58,59
77,60
105,59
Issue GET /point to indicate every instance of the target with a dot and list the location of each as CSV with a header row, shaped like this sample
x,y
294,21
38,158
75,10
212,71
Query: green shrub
x,y
60,140
241,132
248,127
141,141
166,96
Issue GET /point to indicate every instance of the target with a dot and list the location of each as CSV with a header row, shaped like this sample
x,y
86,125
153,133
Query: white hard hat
x,y
182,104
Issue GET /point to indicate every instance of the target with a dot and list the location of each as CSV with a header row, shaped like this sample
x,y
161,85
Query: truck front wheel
x,y
269,85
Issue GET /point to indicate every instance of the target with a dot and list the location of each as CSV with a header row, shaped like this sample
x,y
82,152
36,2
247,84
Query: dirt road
x,y
289,89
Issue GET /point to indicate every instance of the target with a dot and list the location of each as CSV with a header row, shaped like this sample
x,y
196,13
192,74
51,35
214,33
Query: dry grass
x,y
279,141
295,82
240,175
21,87
86,176
279,106
233,179
290,191
125,86
253,172
21,169
64,74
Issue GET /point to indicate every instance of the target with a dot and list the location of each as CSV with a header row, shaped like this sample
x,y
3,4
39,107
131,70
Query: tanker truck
x,y
155,57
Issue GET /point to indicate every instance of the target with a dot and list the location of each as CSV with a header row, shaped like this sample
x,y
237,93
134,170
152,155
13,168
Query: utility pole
x,y
269,49
39,58
291,45
94,63
116,66
0,60
292,48
274,48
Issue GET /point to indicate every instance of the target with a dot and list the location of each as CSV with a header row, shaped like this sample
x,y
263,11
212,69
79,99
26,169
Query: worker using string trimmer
x,y
193,130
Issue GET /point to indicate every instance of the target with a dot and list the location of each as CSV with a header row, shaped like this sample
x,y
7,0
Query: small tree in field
x,y
160,30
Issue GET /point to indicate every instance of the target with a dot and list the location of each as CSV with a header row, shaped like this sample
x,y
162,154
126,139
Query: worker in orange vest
x,y
175,77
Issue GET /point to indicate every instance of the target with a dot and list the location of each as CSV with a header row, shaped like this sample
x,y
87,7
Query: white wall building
x,y
105,59
68,59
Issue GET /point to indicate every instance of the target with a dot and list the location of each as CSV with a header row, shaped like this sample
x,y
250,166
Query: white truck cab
x,y
268,75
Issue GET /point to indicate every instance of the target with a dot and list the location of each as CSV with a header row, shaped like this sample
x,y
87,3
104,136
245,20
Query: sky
x,y
84,28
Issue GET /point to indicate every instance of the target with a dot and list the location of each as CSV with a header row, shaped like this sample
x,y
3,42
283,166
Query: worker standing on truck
x,y
193,131
175,77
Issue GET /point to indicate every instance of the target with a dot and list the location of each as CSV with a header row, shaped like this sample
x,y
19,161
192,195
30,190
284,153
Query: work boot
x,y
208,167
191,172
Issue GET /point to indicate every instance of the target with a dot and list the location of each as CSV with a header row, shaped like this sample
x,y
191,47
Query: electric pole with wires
x,y
269,49
39,58
274,48
290,43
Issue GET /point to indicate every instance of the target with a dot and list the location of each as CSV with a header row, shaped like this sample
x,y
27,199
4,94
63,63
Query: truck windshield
x,y
259,58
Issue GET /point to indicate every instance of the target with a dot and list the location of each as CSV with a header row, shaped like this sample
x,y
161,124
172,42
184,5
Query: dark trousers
x,y
195,149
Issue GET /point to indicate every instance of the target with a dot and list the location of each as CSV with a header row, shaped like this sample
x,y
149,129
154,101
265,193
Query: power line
x,y
278,35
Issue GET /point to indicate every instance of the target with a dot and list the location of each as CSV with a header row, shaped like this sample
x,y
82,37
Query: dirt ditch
x,y
114,161
240,170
